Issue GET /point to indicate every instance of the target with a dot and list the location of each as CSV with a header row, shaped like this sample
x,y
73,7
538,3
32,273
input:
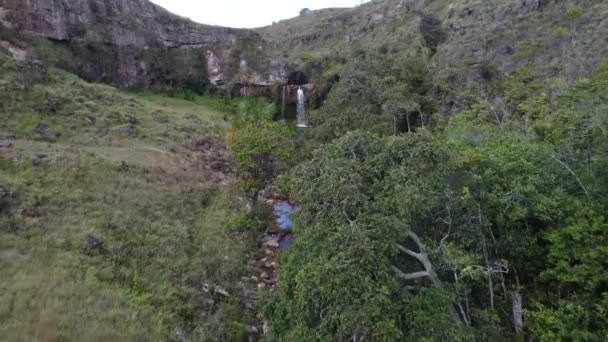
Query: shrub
x,y
432,31
488,70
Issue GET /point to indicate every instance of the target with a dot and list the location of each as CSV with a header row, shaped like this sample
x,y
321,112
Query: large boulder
x,y
5,198
91,245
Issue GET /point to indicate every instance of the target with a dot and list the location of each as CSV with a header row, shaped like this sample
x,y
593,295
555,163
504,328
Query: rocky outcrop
x,y
137,43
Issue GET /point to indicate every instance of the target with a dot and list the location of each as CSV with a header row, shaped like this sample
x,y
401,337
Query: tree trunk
x,y
254,204
429,271
518,319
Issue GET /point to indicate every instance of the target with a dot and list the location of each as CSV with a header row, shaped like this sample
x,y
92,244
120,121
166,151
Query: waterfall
x,y
301,121
283,103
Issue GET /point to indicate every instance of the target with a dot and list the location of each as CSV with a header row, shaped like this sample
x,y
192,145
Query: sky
x,y
246,13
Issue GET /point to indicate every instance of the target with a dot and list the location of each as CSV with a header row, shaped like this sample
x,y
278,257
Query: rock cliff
x,y
137,43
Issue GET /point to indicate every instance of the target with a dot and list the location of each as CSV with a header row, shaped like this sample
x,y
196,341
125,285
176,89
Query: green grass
x,y
165,220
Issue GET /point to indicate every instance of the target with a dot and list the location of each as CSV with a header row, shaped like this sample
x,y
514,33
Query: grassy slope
x,y
163,220
332,33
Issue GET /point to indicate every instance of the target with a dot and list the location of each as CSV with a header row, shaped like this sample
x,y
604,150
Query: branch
x,y
410,252
573,174
416,239
410,276
428,272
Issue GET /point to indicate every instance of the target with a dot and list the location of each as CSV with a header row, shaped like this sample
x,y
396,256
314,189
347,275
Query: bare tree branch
x,y
573,174
409,252
410,276
429,271
416,239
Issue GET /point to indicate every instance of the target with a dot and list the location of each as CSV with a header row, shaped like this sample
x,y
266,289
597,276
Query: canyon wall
x,y
137,43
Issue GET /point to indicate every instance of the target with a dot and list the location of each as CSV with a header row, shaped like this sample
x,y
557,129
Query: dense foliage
x,y
381,93
259,145
486,225
489,227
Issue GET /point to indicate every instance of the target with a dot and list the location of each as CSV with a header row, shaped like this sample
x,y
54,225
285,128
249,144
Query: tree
x,y
305,11
342,279
440,236
377,93
259,147
432,31
491,227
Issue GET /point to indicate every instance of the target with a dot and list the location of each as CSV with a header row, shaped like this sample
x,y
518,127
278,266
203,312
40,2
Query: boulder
x,y
39,159
90,245
123,165
533,4
128,130
455,27
41,129
131,120
222,292
90,120
52,104
272,244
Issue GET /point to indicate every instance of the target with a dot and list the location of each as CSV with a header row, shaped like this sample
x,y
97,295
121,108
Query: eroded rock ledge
x,y
137,43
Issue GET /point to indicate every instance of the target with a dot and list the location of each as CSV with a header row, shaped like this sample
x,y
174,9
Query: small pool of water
x,y
283,212
286,241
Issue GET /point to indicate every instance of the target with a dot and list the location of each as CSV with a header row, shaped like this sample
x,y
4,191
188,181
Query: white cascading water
x,y
301,120
283,103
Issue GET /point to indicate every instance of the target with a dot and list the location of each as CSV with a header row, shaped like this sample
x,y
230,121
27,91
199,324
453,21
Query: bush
x,y
488,70
432,31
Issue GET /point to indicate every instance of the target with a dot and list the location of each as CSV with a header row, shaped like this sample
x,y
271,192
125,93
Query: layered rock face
x,y
137,43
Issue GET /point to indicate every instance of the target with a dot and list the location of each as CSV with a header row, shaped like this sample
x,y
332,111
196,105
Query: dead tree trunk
x,y
254,203
429,272
518,319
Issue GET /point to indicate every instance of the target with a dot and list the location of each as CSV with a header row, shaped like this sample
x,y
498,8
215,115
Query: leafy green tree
x,y
378,93
346,277
543,202
575,262
489,228
447,226
259,147
566,322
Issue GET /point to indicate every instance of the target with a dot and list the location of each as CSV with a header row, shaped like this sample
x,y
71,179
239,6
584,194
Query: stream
x,y
283,211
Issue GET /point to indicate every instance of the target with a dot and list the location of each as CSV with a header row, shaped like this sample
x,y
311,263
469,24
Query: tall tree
x,y
259,147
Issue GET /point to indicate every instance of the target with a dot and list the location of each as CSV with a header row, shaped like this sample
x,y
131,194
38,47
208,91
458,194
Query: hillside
x,y
470,43
115,213
478,41
404,170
